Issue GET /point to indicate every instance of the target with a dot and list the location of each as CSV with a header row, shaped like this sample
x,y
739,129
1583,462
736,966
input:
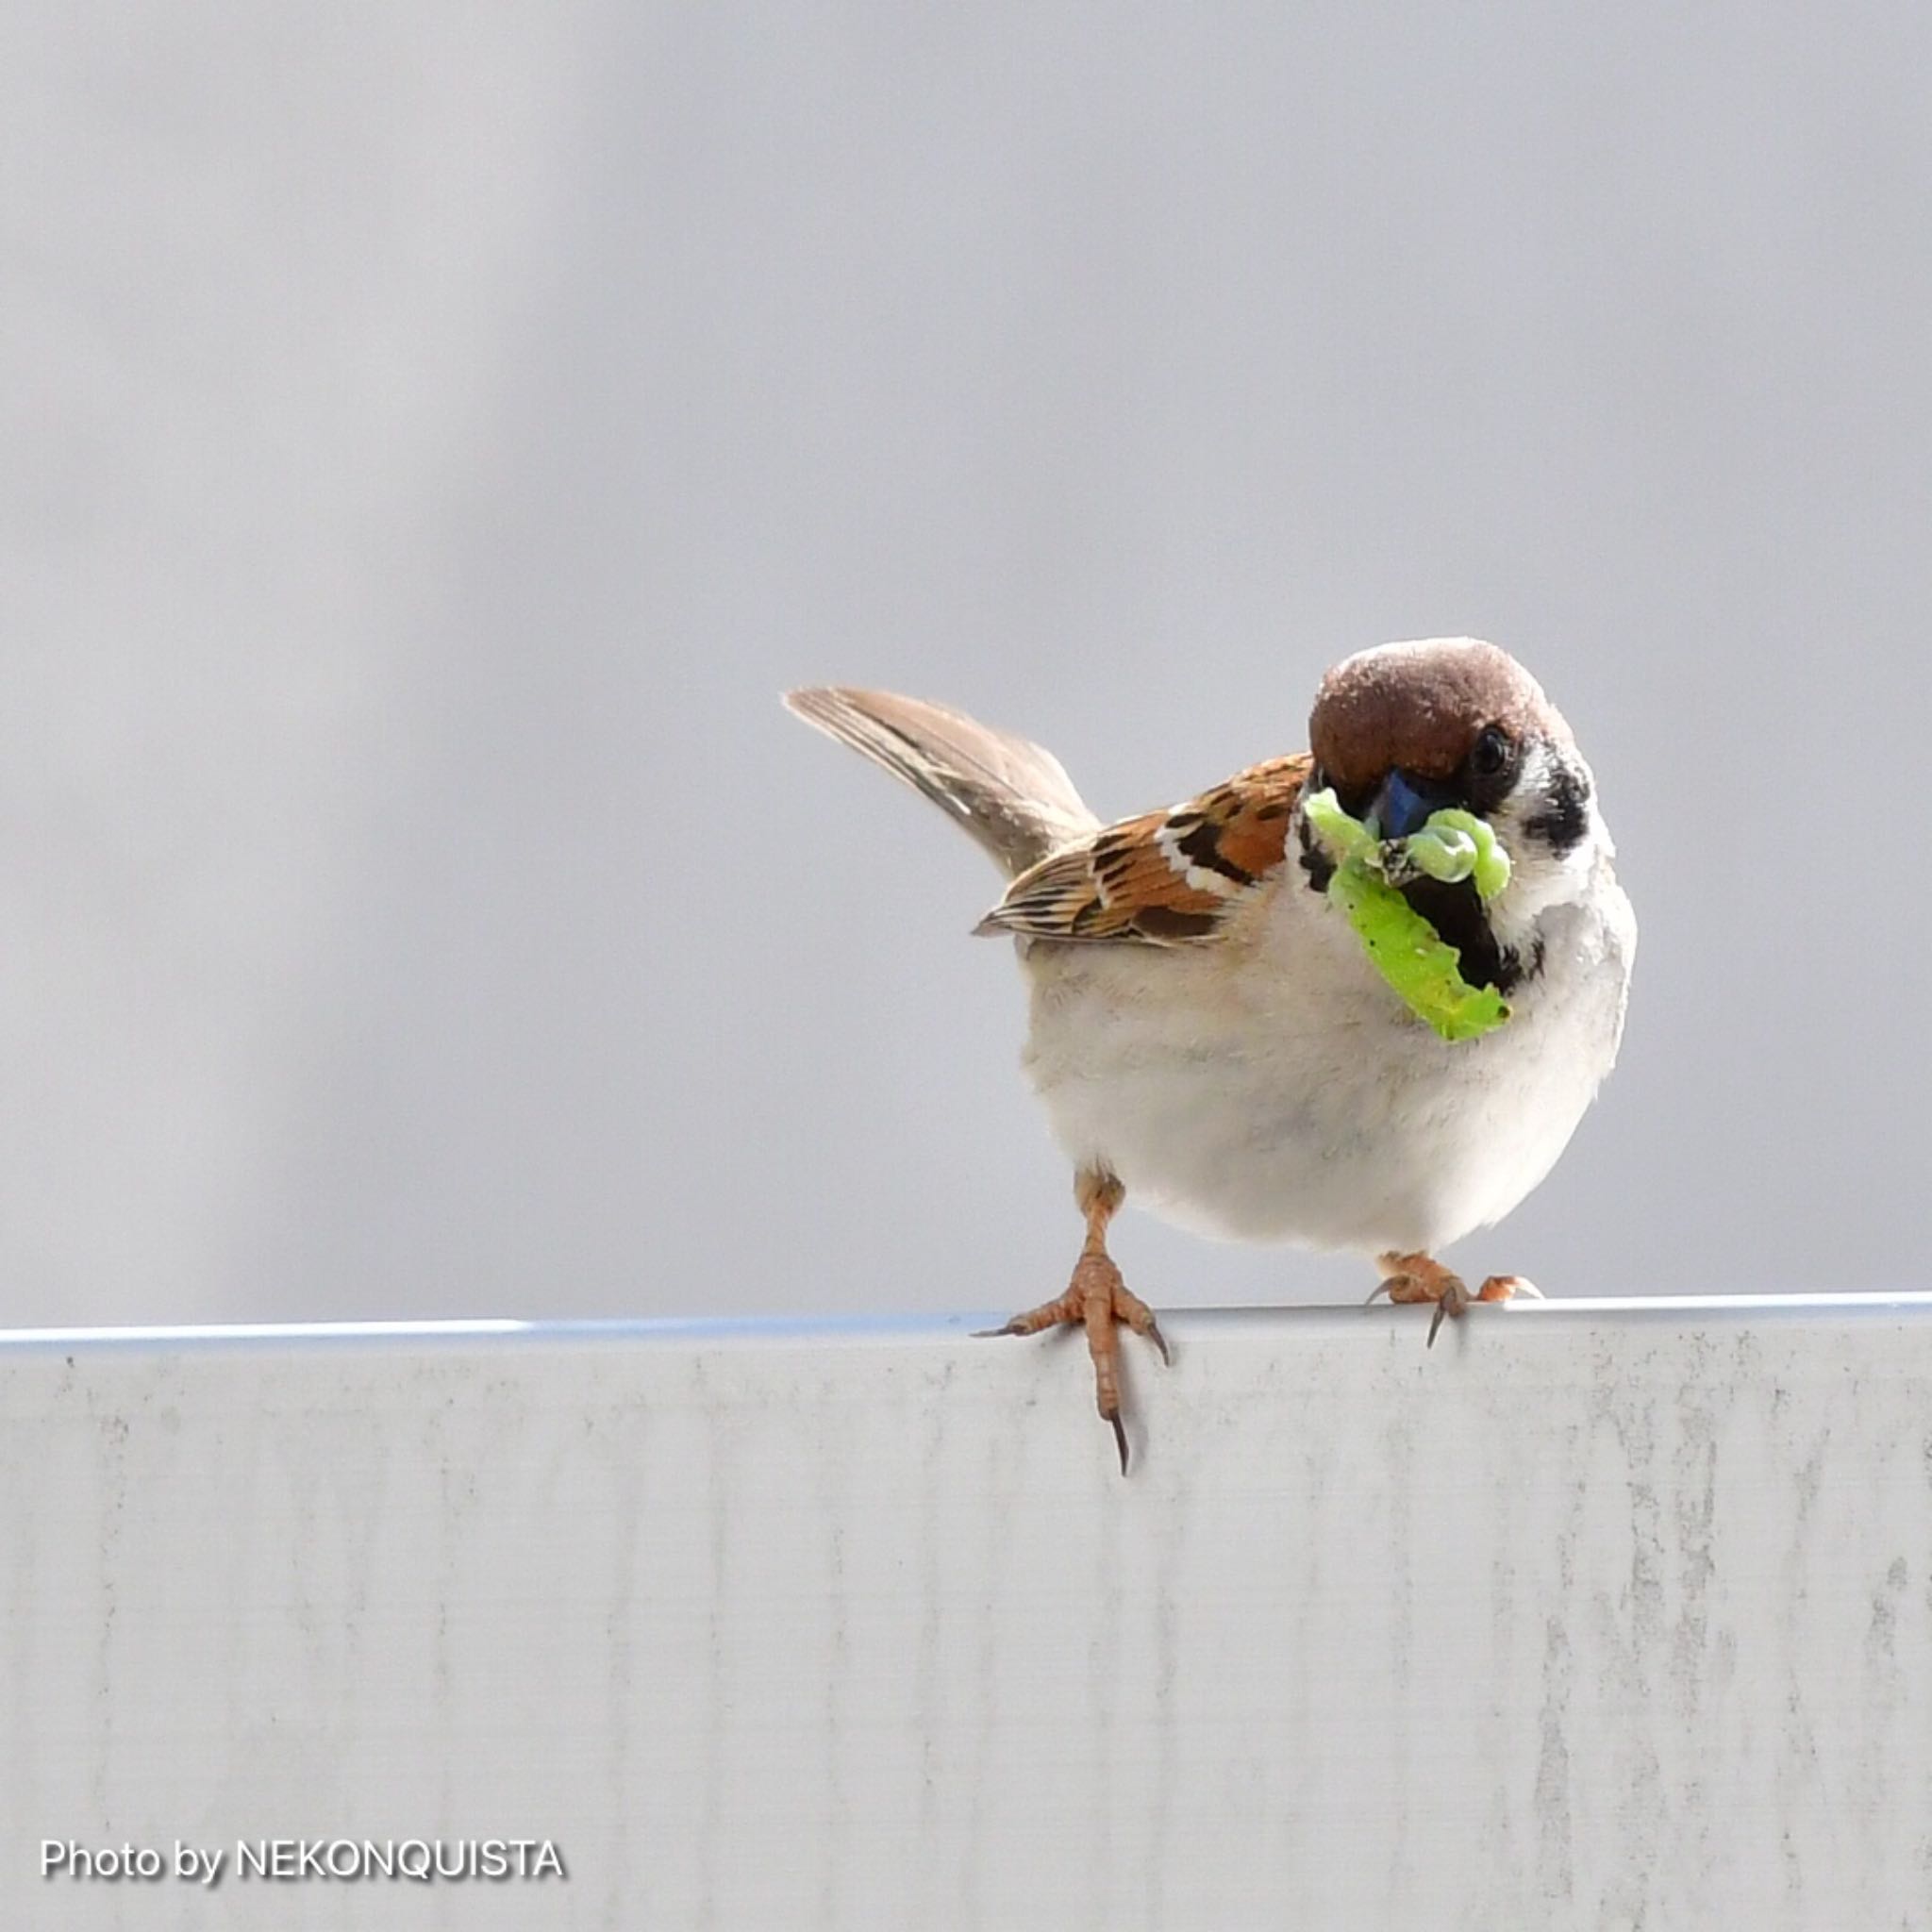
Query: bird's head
x,y
1404,730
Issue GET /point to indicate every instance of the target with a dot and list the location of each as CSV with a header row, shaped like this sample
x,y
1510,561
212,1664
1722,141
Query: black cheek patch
x,y
1315,862
1563,818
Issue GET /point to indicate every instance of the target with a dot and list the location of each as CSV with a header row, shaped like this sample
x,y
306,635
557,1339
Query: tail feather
x,y
1012,796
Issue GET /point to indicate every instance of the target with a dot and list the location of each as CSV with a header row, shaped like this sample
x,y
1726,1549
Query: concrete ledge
x,y
1600,1615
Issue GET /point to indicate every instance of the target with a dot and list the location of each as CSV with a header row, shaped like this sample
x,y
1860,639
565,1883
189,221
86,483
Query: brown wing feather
x,y
1165,878
1012,795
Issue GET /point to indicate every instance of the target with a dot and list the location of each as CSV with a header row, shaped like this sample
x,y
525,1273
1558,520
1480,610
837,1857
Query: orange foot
x,y
1098,1299
1417,1279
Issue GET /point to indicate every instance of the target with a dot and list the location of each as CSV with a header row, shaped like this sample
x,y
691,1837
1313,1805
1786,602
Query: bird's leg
x,y
1417,1279
1097,1299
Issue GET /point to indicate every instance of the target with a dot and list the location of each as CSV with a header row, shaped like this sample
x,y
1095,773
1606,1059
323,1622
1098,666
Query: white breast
x,y
1271,1087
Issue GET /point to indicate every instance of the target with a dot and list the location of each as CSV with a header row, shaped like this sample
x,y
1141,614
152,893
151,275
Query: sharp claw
x,y
1436,1321
1380,1288
1160,1340
1120,1436
1530,1290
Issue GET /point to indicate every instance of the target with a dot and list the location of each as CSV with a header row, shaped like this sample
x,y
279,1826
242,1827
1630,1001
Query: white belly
x,y
1272,1088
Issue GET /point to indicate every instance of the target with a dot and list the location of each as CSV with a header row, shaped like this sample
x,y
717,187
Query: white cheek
x,y
1538,878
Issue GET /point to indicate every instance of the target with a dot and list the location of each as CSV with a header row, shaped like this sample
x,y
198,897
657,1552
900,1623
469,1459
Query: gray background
x,y
433,434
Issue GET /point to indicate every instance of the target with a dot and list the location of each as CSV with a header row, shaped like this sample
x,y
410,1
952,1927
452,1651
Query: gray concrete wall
x,y
1590,1617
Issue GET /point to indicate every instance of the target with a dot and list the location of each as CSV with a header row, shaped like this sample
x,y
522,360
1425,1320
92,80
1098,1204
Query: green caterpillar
x,y
1403,946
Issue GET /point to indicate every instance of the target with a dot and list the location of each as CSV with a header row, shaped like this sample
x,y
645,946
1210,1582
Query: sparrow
x,y
1205,1030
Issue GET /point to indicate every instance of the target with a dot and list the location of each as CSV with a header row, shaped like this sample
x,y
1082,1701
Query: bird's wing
x,y
1166,878
1012,795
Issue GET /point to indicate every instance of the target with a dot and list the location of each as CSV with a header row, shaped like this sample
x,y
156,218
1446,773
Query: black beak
x,y
1404,803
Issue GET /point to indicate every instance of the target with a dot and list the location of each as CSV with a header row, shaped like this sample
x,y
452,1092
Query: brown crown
x,y
1419,707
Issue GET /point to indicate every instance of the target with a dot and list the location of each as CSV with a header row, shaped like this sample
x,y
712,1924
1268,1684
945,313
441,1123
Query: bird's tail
x,y
1012,796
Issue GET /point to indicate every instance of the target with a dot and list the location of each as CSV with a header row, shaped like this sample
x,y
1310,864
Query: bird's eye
x,y
1492,753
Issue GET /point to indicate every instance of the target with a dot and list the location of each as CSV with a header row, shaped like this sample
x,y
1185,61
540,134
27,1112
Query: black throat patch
x,y
1458,915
